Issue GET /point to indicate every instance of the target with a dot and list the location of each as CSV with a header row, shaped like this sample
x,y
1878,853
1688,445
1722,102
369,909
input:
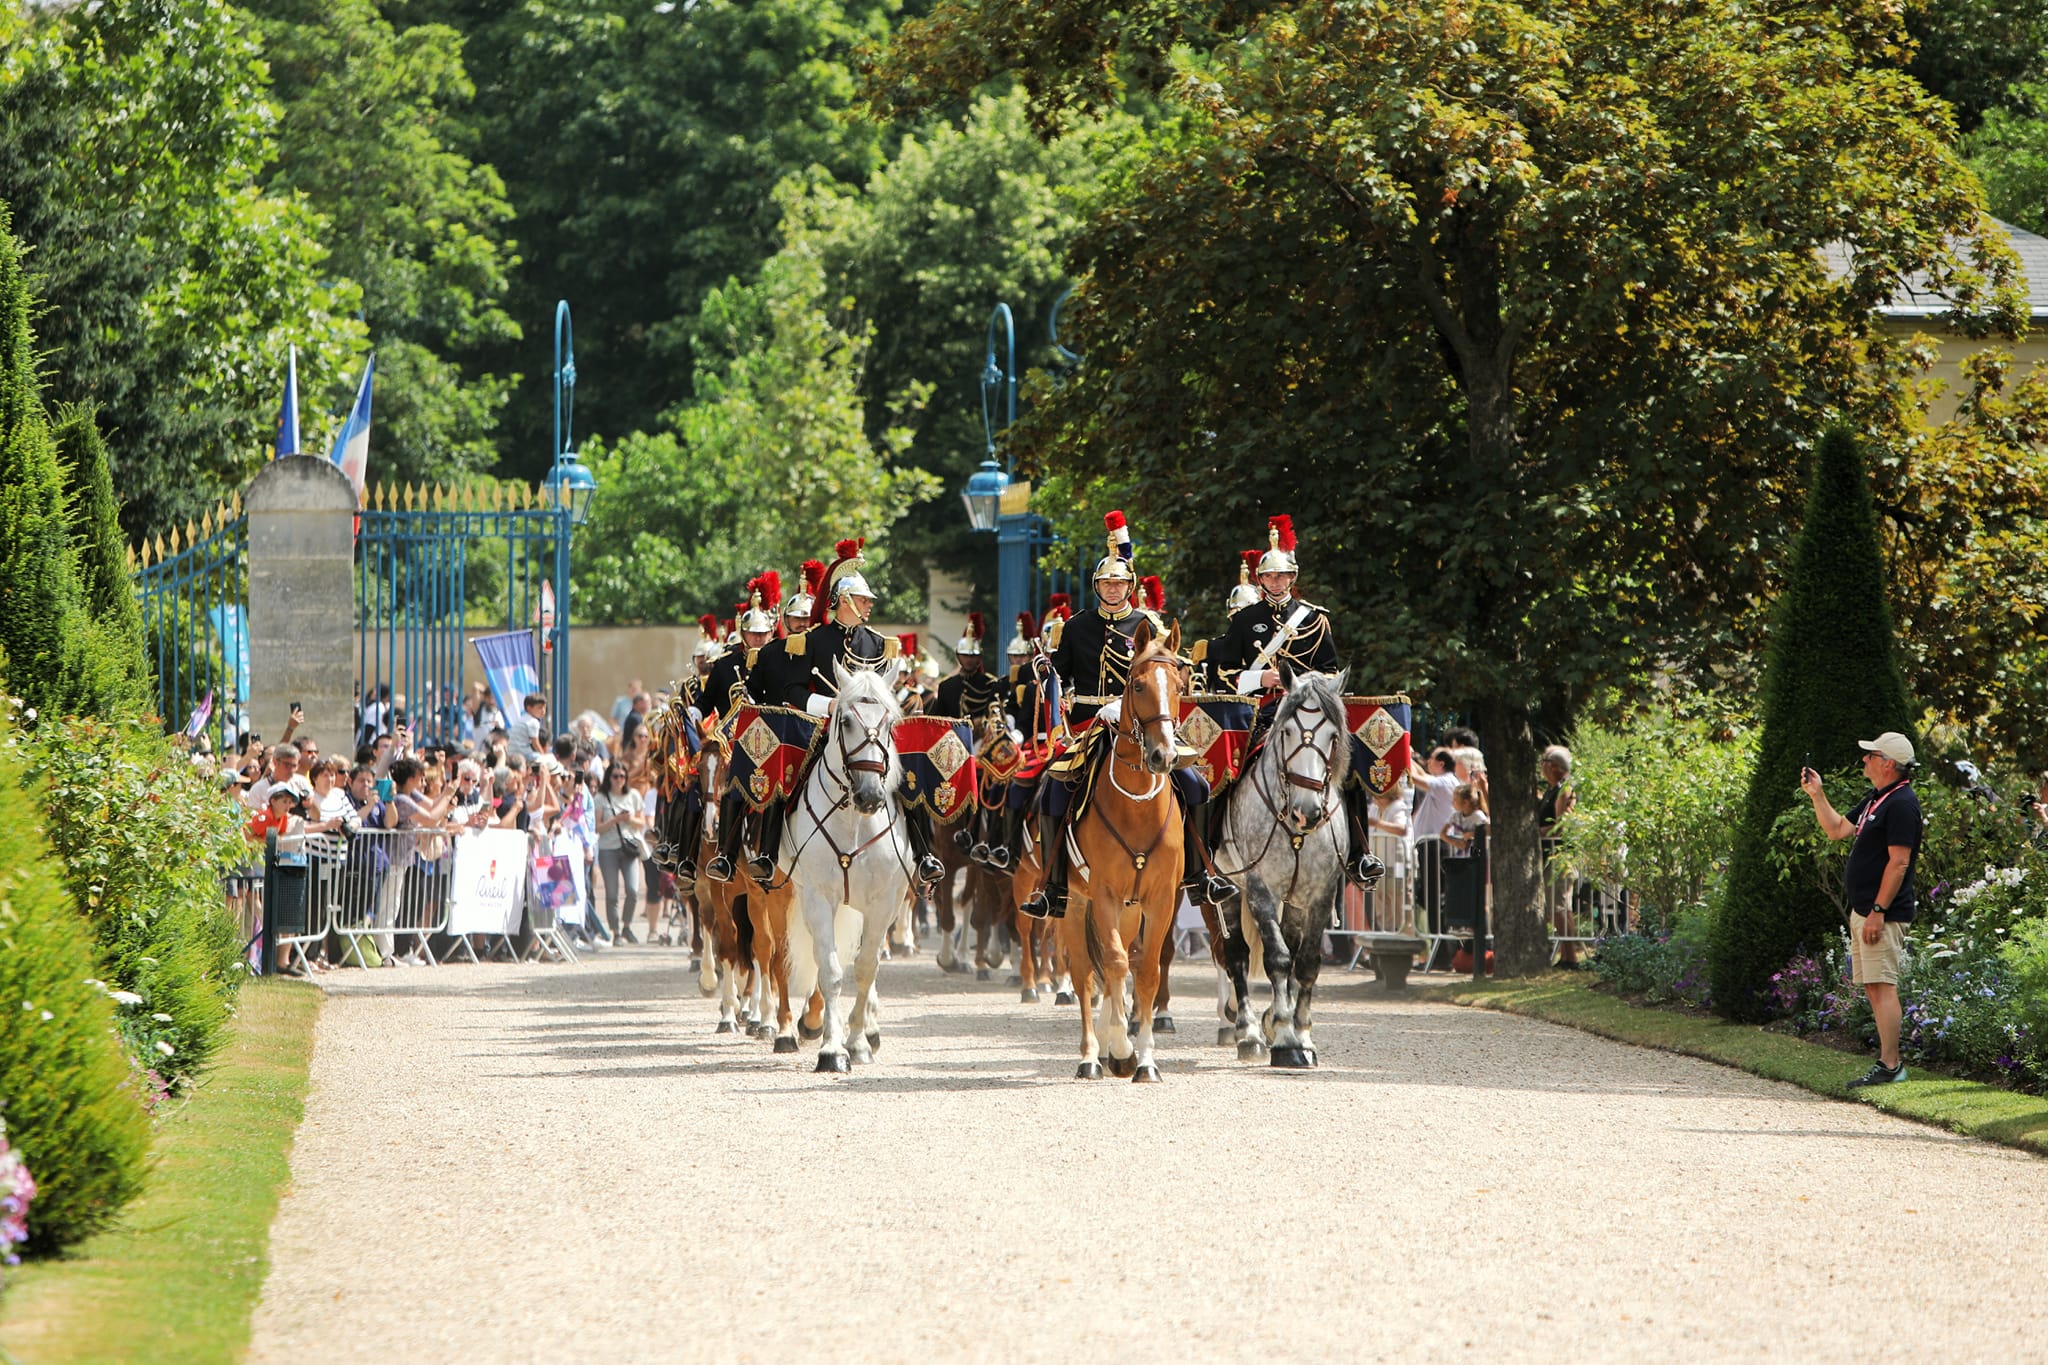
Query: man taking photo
x,y
1879,881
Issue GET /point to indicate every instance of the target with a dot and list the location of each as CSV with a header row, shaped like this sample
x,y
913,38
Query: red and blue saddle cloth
x,y
771,749
1381,748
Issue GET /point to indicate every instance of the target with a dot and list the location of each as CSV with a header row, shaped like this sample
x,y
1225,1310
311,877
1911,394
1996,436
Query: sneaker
x,y
1879,1074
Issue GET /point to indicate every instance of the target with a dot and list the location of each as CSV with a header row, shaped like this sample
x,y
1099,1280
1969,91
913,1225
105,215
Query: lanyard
x,y
1875,805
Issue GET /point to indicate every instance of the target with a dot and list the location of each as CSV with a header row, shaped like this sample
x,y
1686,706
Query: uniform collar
x,y
1117,615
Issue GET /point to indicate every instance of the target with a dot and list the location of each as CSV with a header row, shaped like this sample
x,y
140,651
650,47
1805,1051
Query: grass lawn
x,y
177,1281
1983,1111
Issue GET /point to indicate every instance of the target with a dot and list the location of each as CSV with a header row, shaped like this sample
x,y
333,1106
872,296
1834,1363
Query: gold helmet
x,y
1027,631
708,644
1279,556
1116,564
970,643
842,579
797,611
764,594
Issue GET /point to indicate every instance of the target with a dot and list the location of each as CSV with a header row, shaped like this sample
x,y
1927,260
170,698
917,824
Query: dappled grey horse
x,y
1285,841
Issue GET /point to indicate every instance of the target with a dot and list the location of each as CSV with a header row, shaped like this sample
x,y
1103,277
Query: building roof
x,y
1916,298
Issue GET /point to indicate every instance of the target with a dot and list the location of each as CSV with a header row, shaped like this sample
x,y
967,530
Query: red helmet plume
x,y
770,584
708,624
977,626
814,576
1155,592
847,549
1280,527
1027,626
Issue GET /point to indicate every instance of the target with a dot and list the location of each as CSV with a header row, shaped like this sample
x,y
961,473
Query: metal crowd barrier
x,y
369,896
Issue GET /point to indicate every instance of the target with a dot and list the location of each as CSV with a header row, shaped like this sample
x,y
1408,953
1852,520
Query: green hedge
x,y
73,1107
143,842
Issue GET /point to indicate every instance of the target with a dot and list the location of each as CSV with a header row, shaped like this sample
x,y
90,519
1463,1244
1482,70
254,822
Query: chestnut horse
x,y
1125,854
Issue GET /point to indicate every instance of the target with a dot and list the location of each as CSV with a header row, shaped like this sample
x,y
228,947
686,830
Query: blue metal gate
x,y
435,567
192,587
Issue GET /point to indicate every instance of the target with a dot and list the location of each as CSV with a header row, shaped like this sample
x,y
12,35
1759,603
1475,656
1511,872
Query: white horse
x,y
848,851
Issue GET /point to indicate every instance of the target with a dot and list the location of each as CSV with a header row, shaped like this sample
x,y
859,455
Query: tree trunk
x,y
1521,941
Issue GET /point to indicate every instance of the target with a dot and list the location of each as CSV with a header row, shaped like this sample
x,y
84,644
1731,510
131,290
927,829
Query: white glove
x,y
1248,681
817,705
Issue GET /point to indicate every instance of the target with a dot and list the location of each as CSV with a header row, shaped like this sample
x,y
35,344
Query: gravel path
x,y
564,1164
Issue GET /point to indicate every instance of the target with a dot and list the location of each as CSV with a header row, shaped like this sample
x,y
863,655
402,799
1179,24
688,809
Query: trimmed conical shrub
x,y
116,677
1831,677
74,1110
43,624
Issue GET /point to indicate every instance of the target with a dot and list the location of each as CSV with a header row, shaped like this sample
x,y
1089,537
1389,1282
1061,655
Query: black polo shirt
x,y
1884,820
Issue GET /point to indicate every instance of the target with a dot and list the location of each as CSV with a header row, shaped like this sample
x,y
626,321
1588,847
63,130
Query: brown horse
x,y
768,908
1124,887
726,931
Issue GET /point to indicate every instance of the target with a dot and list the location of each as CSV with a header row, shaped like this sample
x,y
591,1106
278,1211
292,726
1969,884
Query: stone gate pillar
x,y
302,600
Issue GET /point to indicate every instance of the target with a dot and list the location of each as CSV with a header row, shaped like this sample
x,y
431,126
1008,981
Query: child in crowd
x,y
1468,818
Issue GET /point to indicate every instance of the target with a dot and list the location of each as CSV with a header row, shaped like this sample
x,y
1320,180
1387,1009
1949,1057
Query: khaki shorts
x,y
1875,964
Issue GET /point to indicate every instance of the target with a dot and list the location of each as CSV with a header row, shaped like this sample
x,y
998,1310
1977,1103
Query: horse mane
x,y
865,685
1322,688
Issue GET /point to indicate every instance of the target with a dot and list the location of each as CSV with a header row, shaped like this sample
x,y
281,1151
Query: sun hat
x,y
1892,745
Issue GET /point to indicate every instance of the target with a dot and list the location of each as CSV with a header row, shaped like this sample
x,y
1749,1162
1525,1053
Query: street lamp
x,y
984,495
570,485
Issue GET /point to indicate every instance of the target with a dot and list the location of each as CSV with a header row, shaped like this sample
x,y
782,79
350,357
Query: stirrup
x,y
1042,905
962,837
999,858
1220,891
686,867
929,870
1367,870
761,867
978,854
720,869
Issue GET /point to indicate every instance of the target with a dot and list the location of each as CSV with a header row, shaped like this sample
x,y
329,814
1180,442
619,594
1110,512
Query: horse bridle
x,y
871,738
1319,785
1135,733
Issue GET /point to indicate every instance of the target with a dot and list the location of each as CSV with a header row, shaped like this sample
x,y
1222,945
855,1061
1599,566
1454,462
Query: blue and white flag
x,y
233,633
510,665
352,447
288,414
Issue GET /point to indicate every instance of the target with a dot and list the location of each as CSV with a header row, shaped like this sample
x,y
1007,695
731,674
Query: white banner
x,y
487,890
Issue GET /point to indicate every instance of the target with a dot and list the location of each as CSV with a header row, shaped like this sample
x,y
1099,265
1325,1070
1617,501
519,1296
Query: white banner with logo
x,y
487,890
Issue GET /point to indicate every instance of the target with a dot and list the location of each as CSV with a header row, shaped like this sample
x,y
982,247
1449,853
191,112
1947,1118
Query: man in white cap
x,y
1886,827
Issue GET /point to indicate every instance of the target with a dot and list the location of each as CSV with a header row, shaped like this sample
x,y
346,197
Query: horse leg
x,y
1262,911
803,977
864,1029
1162,1005
779,967
1069,930
1113,1020
1308,965
820,916
1282,1038
1151,984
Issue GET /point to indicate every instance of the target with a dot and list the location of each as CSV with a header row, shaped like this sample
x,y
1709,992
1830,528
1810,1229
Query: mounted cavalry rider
x,y
972,692
1205,677
1024,701
1281,629
796,671
1091,655
726,689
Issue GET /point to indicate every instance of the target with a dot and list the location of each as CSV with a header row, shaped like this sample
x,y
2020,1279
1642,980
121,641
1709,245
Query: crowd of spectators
x,y
461,767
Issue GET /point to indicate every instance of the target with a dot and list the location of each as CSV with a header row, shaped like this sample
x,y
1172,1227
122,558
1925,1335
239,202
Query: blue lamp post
x,y
570,488
987,485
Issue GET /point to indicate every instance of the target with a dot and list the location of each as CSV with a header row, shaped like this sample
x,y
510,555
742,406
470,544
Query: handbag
x,y
632,840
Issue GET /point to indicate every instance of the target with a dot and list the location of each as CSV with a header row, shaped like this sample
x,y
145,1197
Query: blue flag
x,y
510,665
288,414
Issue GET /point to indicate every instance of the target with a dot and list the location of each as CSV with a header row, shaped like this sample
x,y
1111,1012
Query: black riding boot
x,y
918,823
1049,901
977,826
1363,867
761,866
690,833
732,819
1197,876
1000,856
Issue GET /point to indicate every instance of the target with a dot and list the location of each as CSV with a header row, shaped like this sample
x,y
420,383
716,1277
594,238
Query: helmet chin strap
x,y
1279,600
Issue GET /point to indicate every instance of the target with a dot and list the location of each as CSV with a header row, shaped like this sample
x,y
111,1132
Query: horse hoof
x,y
1293,1058
1162,1023
707,991
874,1042
1028,996
1147,1074
1248,1049
1063,998
726,1026
836,1063
760,1030
1044,991
1225,1035
785,1043
808,1032
1088,1071
1015,979
981,974
1123,1067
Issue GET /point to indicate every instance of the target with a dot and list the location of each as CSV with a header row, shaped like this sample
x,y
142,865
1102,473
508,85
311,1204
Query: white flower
x,y
129,998
164,1047
47,1016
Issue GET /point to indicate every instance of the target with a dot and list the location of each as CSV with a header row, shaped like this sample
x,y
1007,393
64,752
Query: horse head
x,y
863,731
1152,694
1309,744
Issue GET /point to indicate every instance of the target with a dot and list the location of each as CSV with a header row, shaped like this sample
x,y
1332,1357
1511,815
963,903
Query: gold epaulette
x,y
794,644
891,647
752,655
1052,632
